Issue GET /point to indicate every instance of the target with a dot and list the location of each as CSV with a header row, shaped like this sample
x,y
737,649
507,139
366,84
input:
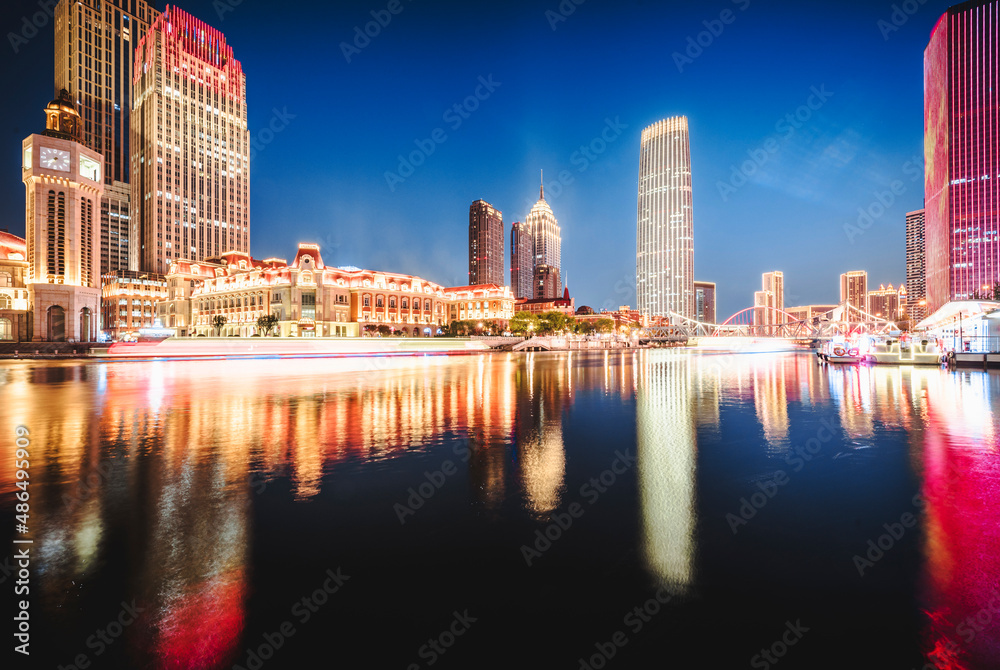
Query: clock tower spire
x,y
63,186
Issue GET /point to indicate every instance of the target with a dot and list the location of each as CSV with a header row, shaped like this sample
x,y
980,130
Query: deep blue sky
x,y
322,178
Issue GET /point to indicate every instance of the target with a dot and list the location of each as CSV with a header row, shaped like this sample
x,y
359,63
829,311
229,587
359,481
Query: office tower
x,y
486,264
704,299
763,312
854,289
63,185
547,283
962,179
664,263
94,44
190,143
546,243
521,261
916,280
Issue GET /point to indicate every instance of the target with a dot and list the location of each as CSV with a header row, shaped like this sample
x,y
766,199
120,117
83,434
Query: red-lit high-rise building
x,y
190,145
961,139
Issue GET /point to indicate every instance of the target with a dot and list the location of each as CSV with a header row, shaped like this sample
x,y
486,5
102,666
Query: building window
x,y
392,302
366,301
5,279
379,301
406,303
6,332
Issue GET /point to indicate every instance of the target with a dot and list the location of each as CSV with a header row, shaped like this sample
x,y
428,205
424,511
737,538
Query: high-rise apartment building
x,y
664,264
770,300
190,144
916,279
94,45
486,264
546,245
63,184
546,283
854,289
962,179
522,263
704,299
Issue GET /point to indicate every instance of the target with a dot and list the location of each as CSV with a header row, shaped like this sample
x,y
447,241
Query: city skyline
x,y
342,202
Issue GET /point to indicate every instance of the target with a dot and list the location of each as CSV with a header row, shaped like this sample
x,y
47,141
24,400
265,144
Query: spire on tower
x,y
541,190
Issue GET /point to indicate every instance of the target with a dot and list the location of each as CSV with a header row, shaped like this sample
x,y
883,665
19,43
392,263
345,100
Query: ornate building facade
x,y
15,301
63,185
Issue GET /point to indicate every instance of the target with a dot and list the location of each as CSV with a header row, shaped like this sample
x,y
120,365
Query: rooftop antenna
x,y
541,190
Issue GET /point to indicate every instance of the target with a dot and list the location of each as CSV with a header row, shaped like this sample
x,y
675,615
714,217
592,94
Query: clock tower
x,y
63,186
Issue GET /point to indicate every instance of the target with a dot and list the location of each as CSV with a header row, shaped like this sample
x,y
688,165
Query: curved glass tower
x,y
664,255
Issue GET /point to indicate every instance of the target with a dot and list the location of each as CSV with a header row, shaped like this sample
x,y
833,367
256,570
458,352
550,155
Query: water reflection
x,y
666,455
143,472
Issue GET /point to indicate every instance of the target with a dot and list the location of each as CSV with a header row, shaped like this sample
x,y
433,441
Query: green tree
x,y
384,330
266,323
219,321
551,322
605,326
524,323
585,327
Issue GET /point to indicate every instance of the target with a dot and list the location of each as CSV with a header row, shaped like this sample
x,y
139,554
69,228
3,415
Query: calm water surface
x,y
651,509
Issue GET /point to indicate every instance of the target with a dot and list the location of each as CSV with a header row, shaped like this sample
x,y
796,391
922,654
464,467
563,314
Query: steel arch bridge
x,y
844,320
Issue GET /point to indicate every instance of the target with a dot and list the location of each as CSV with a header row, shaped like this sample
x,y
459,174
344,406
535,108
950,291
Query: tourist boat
x,y
840,351
903,351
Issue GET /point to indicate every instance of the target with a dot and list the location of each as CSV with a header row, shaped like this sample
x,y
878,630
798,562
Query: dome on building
x,y
61,118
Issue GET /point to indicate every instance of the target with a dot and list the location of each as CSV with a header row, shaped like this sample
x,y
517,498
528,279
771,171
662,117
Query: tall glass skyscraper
x,y
190,143
94,44
521,260
546,243
961,135
664,257
486,264
916,277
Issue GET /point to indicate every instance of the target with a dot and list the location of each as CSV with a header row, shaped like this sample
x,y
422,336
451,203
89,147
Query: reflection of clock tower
x,y
63,186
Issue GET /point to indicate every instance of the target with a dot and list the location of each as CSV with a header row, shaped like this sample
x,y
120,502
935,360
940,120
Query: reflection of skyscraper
x,y
771,401
664,257
538,435
190,143
666,460
961,96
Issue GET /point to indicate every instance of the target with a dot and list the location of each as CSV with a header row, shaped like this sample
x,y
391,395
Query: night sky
x,y
322,178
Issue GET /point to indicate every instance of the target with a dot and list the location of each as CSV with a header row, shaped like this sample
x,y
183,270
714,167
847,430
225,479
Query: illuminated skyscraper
x,y
486,264
94,42
546,244
190,143
854,288
664,263
961,133
916,278
521,261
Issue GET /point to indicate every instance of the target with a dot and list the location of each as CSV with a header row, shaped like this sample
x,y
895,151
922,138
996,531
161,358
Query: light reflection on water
x,y
168,459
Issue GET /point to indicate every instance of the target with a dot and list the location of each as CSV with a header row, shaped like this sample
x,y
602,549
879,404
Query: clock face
x,y
54,159
90,169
